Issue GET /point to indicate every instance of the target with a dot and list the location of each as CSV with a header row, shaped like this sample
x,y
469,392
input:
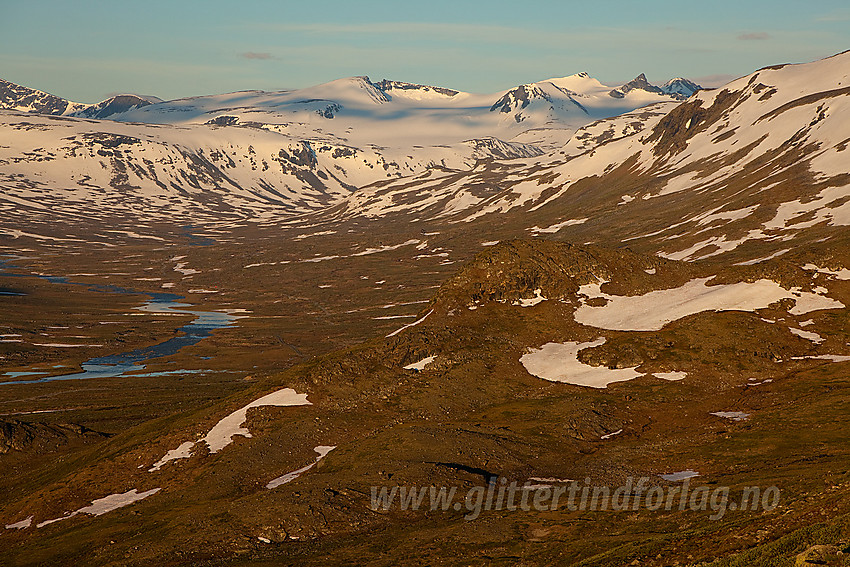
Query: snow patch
x,y
671,376
679,476
23,524
814,337
321,233
221,435
653,310
532,301
763,259
842,274
733,415
418,366
832,357
558,362
184,451
610,435
322,450
397,331
556,227
106,504
181,267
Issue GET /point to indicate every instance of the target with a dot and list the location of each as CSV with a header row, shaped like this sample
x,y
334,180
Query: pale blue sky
x,y
85,50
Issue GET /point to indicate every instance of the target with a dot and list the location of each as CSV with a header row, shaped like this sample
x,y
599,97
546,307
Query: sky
x,y
88,50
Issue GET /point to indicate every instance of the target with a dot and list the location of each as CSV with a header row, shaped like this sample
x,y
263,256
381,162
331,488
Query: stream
x,y
131,361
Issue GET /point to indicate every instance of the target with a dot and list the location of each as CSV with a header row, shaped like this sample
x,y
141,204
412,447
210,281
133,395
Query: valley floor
x,y
408,342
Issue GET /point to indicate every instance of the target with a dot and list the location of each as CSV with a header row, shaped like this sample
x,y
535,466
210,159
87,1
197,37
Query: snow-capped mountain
x,y
679,87
257,153
393,114
357,111
638,83
116,105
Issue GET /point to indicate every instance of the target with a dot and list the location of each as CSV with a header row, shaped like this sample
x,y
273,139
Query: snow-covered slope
x,y
68,165
757,161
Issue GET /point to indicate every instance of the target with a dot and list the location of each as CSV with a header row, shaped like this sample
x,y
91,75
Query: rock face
x,y
23,436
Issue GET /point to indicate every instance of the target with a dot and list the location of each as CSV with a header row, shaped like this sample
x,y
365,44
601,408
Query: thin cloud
x,y
395,28
254,55
754,36
835,17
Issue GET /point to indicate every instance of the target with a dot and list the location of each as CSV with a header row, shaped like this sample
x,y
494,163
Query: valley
x,y
648,290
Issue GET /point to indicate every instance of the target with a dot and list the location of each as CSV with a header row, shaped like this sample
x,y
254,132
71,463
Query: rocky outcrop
x,y
386,85
822,555
25,436
513,270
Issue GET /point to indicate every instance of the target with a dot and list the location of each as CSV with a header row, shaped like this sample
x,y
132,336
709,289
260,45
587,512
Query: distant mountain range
x,y
292,151
25,99
745,165
359,112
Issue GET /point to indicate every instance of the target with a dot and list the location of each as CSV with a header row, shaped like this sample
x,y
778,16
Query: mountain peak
x,y
680,88
639,82
579,82
117,104
519,98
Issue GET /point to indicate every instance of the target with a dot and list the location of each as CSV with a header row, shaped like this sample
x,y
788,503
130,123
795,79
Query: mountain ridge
x,y
13,96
